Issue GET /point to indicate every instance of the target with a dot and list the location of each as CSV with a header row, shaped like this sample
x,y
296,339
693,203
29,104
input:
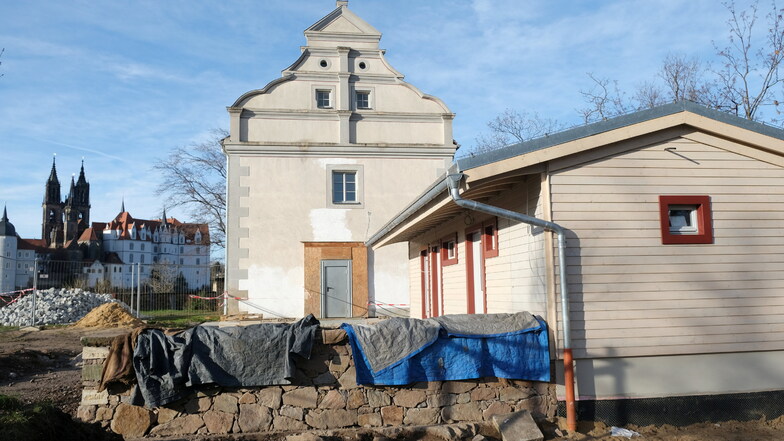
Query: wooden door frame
x,y
469,253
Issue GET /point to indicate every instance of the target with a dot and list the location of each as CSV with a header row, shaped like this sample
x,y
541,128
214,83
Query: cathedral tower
x,y
52,225
77,207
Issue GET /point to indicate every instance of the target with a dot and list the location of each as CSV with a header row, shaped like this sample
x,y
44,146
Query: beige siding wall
x,y
633,296
516,279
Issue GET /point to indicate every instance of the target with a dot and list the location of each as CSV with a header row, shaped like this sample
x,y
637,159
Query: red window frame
x,y
445,260
490,237
704,234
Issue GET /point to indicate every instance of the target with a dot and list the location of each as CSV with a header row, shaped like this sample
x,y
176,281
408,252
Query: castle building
x,y
101,252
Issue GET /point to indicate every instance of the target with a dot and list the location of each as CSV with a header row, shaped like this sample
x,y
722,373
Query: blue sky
x,y
121,83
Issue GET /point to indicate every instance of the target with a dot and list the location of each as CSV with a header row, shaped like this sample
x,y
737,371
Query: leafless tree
x,y
604,100
750,74
195,177
163,277
513,127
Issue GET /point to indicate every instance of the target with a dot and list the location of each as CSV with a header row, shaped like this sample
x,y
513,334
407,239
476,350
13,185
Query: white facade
x,y
16,261
316,160
132,241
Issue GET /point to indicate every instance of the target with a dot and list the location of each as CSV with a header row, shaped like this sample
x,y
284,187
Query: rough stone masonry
x,y
324,396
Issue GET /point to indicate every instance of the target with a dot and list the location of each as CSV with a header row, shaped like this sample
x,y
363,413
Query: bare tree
x,y
513,127
163,277
749,75
195,177
604,100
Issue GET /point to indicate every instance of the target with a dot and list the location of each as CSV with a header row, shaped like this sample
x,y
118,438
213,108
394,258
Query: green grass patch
x,y
8,328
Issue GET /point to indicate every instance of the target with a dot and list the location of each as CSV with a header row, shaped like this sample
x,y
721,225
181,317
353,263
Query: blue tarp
x,y
523,354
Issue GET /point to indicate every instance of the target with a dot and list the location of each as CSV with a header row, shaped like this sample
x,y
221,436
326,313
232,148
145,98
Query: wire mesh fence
x,y
152,291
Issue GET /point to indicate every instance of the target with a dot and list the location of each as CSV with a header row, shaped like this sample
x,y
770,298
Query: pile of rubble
x,y
52,306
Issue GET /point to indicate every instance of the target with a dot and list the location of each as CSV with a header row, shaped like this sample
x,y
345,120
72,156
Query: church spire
x,y
53,173
122,207
82,180
165,222
5,214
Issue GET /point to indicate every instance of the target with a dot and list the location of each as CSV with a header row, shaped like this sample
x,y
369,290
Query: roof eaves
x,y
629,119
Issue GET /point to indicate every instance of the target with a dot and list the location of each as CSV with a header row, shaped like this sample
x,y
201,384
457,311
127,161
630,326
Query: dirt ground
x,y
43,366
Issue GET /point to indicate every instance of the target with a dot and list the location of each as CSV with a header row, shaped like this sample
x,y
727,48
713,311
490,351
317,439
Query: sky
x,y
120,83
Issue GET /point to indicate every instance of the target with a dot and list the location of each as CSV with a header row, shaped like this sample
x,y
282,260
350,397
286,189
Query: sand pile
x,y
109,315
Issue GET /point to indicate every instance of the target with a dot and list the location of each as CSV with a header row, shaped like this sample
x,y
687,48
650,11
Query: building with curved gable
x,y
318,159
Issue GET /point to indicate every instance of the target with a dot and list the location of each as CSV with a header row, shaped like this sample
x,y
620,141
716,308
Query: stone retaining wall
x,y
325,396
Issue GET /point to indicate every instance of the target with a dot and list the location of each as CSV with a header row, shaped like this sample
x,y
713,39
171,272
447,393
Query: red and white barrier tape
x,y
388,304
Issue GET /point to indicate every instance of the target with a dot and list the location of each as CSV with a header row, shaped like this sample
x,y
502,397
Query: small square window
x,y
363,100
323,99
685,220
344,187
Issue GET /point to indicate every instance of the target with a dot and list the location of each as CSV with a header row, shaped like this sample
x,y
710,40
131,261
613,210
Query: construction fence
x,y
155,290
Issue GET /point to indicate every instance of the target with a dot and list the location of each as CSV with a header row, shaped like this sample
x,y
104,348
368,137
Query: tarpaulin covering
x,y
167,367
401,351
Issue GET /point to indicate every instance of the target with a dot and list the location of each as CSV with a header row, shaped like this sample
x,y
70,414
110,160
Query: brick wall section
x,y
325,396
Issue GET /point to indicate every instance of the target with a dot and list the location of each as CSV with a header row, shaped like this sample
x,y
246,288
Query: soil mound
x,y
109,315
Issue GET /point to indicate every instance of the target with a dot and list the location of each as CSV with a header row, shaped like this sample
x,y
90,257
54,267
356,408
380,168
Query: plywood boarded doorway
x,y
326,256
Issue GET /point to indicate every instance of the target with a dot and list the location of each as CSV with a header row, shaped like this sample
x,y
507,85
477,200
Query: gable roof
x,y
340,25
489,173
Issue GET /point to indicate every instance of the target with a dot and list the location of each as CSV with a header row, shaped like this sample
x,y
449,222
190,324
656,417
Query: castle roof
x,y
6,227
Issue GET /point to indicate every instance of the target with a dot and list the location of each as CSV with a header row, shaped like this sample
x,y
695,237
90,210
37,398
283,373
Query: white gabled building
x,y
316,160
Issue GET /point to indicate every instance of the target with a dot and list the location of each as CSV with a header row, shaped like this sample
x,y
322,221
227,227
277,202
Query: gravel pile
x,y
53,306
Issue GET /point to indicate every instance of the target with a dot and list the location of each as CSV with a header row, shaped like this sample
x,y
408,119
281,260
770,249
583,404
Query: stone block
x,y
165,415
535,405
421,417
131,421
484,394
218,421
304,437
518,426
224,403
305,397
254,418
349,379
441,400
340,363
86,413
198,405
452,431
458,387
378,398
292,412
331,419
463,398
512,394
247,398
91,372
95,353
333,336
409,398
333,400
369,420
270,397
91,397
462,412
286,423
392,415
356,399
496,408
184,425
104,413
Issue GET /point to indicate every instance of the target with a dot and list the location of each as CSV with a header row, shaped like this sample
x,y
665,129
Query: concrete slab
x,y
518,426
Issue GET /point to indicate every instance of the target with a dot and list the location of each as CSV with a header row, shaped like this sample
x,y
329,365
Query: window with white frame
x,y
344,187
363,99
323,100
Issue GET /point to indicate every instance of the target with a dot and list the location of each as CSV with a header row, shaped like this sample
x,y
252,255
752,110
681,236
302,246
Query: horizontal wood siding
x,y
633,296
515,278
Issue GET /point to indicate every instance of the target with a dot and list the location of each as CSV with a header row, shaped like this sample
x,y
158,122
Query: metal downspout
x,y
453,182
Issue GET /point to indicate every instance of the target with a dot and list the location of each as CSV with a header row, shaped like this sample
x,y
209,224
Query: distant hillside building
x,y
100,251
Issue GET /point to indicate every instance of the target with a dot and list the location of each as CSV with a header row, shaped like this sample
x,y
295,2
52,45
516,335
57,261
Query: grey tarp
x,y
167,367
389,341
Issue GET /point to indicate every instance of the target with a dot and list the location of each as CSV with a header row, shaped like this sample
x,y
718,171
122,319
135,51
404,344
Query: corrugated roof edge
x,y
628,119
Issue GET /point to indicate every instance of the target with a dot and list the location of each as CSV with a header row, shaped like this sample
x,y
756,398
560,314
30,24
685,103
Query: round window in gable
x,y
362,65
324,63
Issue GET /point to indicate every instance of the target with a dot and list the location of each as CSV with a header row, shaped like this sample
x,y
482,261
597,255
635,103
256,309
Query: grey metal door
x,y
335,288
